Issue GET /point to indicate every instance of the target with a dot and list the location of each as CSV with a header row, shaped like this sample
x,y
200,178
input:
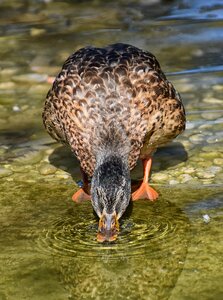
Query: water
x,y
166,249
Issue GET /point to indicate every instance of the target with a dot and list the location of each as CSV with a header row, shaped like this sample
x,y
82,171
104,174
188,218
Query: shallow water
x,y
170,249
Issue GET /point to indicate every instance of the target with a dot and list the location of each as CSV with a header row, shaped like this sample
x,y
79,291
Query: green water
x,y
170,249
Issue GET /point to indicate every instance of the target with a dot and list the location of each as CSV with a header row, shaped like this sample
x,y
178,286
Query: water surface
x,y
170,249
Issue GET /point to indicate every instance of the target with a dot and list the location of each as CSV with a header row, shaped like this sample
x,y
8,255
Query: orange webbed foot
x,y
145,191
80,196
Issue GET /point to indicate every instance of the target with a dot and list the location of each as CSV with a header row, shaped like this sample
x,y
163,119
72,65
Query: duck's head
x,y
111,191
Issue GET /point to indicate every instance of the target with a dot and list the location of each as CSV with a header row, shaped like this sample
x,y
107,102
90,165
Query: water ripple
x,y
148,228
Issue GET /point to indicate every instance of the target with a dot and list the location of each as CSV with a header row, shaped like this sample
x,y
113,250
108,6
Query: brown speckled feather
x,y
118,92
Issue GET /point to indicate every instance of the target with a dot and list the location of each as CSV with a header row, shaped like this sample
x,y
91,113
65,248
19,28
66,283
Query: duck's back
x,y
118,92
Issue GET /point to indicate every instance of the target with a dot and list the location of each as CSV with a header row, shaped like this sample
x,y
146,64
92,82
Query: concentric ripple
x,y
149,227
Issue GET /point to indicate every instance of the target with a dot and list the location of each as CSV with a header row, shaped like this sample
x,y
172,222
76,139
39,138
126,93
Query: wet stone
x,y
160,177
204,164
173,182
16,108
26,176
219,178
198,52
207,181
187,145
37,144
218,161
30,77
214,139
186,87
3,110
185,178
5,172
217,148
37,31
39,65
63,176
209,172
8,71
190,125
212,100
214,169
37,88
47,169
197,138
195,181
209,155
205,175
6,100
7,85
20,168
30,157
196,159
211,115
205,127
2,151
188,170
217,87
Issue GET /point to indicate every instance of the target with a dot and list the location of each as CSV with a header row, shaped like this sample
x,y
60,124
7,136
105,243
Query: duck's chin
x,y
108,228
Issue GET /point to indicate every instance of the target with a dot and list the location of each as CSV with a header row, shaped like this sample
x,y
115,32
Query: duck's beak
x,y
108,227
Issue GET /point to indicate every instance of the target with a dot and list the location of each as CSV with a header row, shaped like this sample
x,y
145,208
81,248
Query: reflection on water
x,y
146,259
165,250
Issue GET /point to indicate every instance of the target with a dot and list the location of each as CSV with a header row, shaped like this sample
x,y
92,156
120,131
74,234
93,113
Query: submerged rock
x,y
28,157
206,218
5,172
218,161
30,77
47,169
197,138
160,177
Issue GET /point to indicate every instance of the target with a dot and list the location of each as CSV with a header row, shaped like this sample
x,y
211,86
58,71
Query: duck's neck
x,y
112,157
112,165
111,179
111,142
111,183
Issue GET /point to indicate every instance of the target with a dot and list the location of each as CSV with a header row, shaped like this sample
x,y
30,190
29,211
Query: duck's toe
x,y
80,196
145,191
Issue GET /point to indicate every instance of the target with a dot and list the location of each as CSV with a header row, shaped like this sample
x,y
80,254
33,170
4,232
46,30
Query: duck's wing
x,y
91,101
119,87
155,111
162,115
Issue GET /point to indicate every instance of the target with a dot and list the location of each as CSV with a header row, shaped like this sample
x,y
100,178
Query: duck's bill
x,y
108,228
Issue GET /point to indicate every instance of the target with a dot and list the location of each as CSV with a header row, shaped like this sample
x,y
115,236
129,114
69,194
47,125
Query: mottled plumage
x,y
117,90
112,100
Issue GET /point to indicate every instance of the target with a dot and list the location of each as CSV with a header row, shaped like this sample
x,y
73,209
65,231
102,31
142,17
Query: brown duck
x,y
113,106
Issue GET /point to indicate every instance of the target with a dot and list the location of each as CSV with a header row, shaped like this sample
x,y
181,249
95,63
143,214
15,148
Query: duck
x,y
113,106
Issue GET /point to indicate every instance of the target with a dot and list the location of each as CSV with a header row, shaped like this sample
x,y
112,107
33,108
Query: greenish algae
x,y
165,250
49,243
